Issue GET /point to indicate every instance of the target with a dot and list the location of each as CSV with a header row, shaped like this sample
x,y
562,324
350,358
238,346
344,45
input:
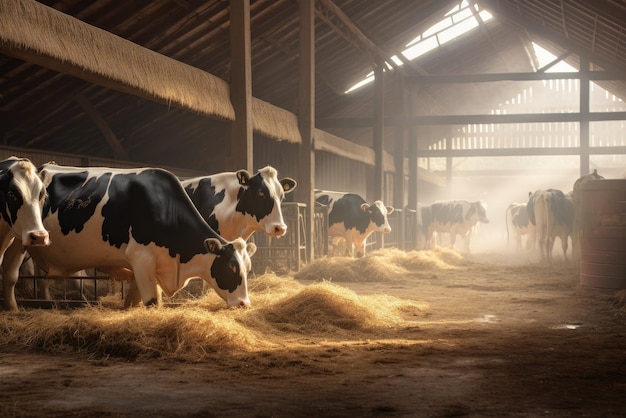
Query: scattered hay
x,y
381,265
185,334
202,328
325,307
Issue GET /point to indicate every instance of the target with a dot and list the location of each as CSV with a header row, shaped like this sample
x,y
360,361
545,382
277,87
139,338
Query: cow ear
x,y
288,184
365,207
390,209
251,247
243,176
213,245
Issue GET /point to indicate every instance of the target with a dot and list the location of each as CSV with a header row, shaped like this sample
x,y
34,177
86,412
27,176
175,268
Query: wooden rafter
x,y
103,126
506,12
326,9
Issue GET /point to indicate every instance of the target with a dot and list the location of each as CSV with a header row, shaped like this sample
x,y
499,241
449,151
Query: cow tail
x,y
546,202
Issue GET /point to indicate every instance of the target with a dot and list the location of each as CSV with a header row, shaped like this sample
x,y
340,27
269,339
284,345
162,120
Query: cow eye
x,y
261,194
11,196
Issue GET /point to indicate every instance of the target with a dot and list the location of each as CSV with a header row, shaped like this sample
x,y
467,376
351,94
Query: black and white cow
x,y
136,219
516,218
351,218
458,217
552,213
21,197
236,204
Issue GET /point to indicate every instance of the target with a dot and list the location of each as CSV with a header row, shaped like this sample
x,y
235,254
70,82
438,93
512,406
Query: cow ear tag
x,y
288,184
243,176
212,245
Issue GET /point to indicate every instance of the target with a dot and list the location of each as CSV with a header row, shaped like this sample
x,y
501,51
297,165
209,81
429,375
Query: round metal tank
x,y
603,234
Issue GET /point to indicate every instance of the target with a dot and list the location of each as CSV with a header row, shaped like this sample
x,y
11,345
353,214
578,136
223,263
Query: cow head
x,y
229,271
261,196
479,210
21,198
378,214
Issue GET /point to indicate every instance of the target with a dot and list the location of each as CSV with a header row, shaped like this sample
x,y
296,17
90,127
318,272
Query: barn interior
x,y
472,98
408,101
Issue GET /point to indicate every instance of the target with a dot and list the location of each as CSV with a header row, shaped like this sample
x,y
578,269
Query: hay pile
x,y
283,310
382,265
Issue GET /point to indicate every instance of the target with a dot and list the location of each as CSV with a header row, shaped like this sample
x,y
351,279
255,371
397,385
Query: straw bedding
x,y
283,309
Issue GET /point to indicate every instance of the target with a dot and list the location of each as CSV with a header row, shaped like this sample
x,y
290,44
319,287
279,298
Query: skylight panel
x,y
458,21
456,31
545,57
438,27
463,14
421,48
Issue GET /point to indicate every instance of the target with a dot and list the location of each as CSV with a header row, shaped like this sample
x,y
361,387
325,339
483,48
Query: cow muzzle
x,y
277,230
37,239
240,304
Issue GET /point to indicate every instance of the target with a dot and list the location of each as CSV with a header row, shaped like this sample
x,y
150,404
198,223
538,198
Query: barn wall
x,y
281,155
42,157
342,175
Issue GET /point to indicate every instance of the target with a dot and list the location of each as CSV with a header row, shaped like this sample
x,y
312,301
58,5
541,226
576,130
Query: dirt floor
x,y
498,339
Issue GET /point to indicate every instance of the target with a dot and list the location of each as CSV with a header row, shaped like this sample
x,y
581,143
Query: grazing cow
x,y
455,217
552,213
351,218
576,201
516,217
135,219
236,204
21,197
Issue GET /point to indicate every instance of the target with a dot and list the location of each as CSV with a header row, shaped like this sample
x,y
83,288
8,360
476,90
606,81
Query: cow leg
x,y
359,247
549,247
452,237
466,241
13,258
132,296
44,290
147,288
349,244
143,265
564,246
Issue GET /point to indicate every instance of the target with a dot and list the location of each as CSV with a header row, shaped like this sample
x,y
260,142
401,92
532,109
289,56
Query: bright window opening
x,y
458,21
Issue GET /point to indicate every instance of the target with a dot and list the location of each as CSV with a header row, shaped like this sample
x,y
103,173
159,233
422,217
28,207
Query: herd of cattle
x,y
149,227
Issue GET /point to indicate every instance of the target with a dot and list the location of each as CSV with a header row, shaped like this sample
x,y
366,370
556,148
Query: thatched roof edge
x,y
275,122
28,25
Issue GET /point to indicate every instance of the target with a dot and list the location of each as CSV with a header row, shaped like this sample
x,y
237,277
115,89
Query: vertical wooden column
x,y
241,132
584,116
448,167
379,126
306,119
398,153
413,154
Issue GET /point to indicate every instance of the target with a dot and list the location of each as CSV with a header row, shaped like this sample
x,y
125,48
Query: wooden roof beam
x,y
506,12
103,126
353,31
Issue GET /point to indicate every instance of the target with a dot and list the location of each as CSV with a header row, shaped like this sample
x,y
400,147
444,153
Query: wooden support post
x,y
399,146
584,116
413,155
306,120
241,133
379,126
